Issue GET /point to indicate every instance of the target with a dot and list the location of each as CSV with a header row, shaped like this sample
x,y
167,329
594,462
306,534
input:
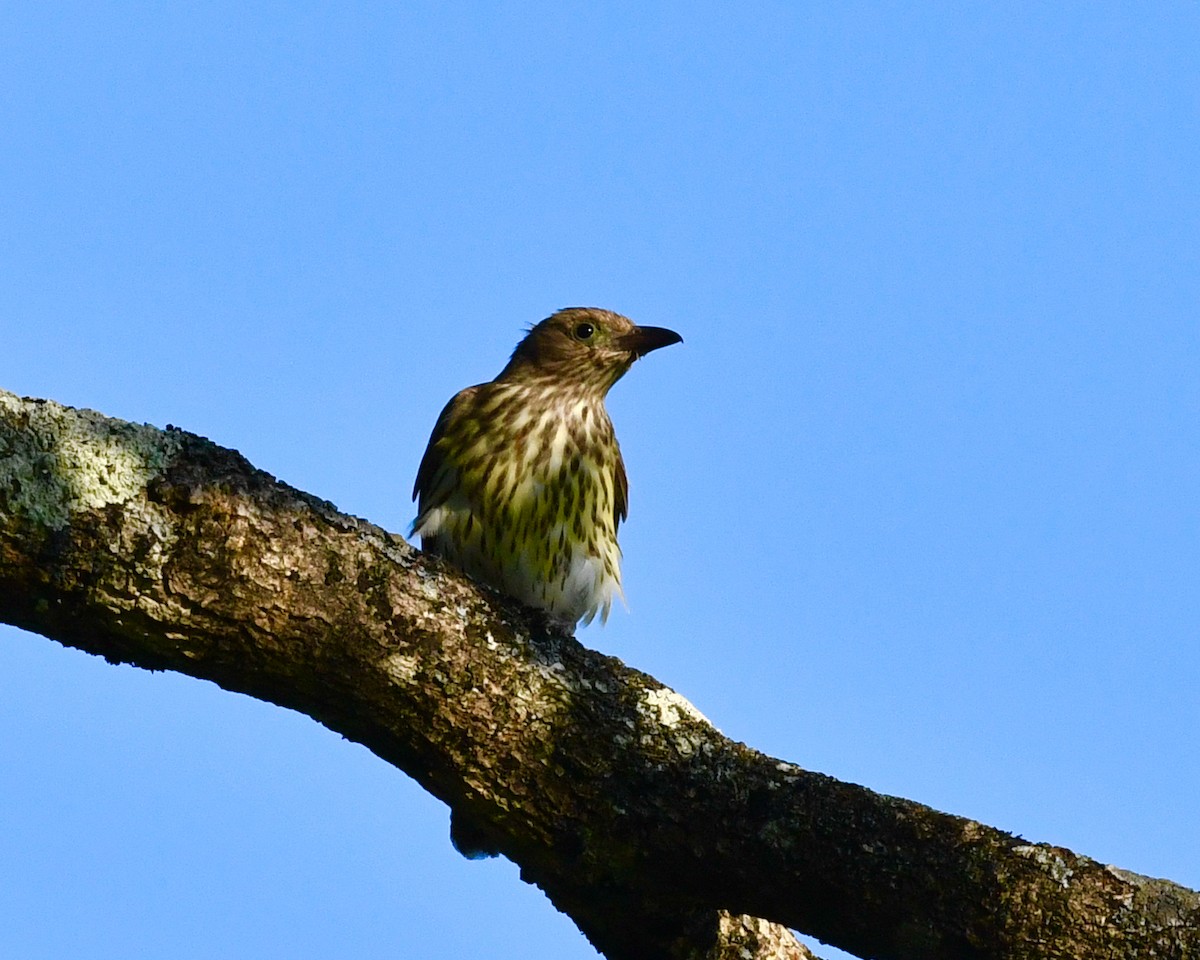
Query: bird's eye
x,y
584,331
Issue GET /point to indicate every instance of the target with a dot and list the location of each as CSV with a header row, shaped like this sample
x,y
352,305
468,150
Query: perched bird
x,y
522,485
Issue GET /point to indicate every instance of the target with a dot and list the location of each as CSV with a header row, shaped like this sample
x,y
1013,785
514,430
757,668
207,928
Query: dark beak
x,y
642,340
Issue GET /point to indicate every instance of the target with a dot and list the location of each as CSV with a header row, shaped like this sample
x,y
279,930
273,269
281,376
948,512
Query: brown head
x,y
584,347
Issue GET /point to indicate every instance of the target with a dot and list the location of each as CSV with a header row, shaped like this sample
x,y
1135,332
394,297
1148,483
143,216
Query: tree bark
x,y
657,835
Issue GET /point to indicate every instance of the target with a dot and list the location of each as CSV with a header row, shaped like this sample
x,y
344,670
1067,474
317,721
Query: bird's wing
x,y
620,493
430,471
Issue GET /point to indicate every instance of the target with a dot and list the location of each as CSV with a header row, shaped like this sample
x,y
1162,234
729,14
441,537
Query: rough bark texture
x,y
657,835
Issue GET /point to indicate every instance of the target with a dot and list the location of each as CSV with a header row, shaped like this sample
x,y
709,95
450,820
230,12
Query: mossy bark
x,y
658,836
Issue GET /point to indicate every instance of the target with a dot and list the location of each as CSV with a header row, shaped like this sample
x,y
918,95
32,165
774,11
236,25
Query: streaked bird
x,y
522,485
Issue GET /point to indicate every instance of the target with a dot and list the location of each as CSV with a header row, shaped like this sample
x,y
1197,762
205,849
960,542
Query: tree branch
x,y
659,836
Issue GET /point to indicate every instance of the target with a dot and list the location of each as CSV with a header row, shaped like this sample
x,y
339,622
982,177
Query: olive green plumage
x,y
522,485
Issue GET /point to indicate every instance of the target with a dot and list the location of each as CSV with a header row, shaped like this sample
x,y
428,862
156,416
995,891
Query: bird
x,y
522,485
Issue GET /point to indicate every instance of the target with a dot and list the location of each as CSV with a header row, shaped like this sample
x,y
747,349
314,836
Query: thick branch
x,y
640,820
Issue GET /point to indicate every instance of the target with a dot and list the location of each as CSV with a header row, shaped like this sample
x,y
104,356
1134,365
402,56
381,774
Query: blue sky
x,y
915,504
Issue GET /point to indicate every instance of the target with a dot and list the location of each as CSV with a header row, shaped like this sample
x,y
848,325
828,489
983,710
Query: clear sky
x,y
915,504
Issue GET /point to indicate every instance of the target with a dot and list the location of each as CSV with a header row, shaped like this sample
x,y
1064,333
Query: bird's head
x,y
584,347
